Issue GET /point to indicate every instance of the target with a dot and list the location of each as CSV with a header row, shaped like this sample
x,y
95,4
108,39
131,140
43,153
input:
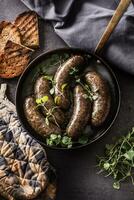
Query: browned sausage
x,y
101,103
81,113
42,88
62,77
36,120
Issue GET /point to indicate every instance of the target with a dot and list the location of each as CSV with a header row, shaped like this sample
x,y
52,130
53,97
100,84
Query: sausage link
x,y
62,77
36,120
81,113
42,88
102,100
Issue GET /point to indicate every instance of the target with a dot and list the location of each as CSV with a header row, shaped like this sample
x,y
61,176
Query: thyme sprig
x,y
118,160
51,79
49,112
89,94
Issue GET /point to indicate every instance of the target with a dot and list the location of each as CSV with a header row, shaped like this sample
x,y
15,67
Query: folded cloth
x,y
80,23
24,169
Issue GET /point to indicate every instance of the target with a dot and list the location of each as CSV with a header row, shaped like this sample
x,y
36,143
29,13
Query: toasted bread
x,y
14,60
27,23
8,31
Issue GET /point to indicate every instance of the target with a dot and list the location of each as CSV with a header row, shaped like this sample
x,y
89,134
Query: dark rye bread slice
x,y
8,31
14,60
27,23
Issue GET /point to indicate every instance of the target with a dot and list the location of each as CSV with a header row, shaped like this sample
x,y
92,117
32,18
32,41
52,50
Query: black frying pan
x,y
43,63
46,63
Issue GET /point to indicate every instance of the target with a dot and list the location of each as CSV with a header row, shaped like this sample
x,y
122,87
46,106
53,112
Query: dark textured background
x,y
76,170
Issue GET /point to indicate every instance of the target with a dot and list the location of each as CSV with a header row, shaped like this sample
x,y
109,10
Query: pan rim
x,y
45,53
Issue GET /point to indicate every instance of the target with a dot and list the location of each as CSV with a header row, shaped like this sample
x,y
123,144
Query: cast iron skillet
x,y
26,82
95,63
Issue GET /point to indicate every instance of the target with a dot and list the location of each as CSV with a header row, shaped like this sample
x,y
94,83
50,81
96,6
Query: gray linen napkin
x,y
80,23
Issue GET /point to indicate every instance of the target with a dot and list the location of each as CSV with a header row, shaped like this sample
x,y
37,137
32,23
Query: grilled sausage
x,y
36,120
42,88
81,113
101,103
62,77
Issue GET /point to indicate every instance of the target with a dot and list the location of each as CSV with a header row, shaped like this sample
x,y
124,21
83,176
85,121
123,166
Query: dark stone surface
x,y
77,178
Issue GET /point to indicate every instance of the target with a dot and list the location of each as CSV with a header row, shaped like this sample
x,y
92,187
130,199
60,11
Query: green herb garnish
x,y
65,141
47,121
83,139
73,71
119,160
56,139
57,100
49,78
49,112
52,91
89,94
53,140
63,87
42,100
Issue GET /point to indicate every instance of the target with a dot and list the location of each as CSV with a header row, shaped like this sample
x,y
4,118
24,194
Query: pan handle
x,y
123,5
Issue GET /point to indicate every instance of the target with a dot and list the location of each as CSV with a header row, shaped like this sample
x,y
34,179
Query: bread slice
x,y
8,31
27,23
14,60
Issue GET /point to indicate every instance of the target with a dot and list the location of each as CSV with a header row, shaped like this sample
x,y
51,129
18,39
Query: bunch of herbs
x,y
118,160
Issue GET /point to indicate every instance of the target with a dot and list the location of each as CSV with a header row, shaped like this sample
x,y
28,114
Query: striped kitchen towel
x,y
24,169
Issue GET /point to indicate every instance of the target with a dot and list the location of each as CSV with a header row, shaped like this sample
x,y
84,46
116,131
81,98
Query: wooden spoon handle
x,y
123,5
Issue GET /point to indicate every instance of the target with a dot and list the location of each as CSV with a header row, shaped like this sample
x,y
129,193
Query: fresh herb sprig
x,y
42,100
56,140
51,79
51,63
65,141
49,112
89,94
119,160
74,71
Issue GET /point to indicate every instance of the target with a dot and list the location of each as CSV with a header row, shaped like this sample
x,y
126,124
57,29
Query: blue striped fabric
x,y
23,163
